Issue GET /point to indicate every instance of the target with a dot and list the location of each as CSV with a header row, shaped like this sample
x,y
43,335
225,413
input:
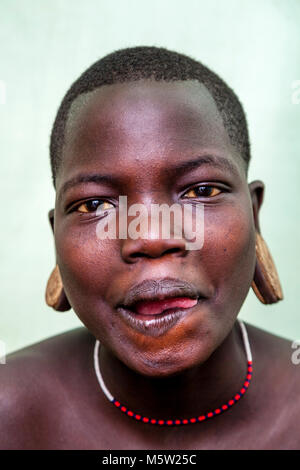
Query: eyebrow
x,y
209,160
89,178
181,168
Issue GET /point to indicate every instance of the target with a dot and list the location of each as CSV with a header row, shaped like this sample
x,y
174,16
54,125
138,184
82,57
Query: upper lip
x,y
161,289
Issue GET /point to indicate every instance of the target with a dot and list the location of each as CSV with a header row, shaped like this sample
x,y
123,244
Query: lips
x,y
153,307
156,307
152,296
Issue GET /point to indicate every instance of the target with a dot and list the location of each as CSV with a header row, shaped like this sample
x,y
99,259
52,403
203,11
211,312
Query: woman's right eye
x,y
93,205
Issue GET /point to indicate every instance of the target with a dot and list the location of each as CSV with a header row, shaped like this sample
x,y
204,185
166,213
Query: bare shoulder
x,y
279,354
35,381
262,336
276,378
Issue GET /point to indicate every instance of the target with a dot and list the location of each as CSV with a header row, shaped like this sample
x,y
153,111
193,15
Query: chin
x,y
170,362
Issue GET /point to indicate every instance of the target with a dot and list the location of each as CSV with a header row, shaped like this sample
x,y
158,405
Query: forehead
x,y
142,122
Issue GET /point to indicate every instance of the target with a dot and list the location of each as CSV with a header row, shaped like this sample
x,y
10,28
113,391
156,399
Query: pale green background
x,y
45,45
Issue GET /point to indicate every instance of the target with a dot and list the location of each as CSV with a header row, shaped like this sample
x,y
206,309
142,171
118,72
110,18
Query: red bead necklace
x,y
177,422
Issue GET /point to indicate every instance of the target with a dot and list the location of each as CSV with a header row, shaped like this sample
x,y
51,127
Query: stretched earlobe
x,y
266,284
55,294
51,218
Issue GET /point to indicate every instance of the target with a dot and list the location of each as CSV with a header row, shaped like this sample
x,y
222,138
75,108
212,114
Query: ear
x,y
51,218
257,190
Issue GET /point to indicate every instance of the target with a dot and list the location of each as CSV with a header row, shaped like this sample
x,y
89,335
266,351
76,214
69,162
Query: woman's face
x,y
137,134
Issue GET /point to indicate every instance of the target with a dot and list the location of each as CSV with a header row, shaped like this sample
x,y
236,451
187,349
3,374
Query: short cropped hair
x,y
160,64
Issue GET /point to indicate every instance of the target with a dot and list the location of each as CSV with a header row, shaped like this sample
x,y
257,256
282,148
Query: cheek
x,y
85,263
229,251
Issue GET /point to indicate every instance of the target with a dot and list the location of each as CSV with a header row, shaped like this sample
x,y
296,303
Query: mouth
x,y
153,307
157,324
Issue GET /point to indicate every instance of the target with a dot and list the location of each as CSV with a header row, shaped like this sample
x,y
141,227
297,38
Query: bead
x,y
201,418
178,422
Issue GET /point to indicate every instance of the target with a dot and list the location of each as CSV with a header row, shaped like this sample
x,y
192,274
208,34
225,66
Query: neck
x,y
192,392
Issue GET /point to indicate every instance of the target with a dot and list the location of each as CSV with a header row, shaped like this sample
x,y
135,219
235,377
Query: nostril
x,y
173,250
147,255
152,248
138,255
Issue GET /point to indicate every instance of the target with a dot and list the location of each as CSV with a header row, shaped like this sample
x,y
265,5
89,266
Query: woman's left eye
x,y
202,191
93,205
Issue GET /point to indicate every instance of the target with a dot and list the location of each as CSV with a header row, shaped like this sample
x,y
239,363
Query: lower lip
x,y
155,325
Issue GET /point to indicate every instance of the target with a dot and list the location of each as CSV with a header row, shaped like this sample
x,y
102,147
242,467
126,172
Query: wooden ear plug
x,y
266,284
55,294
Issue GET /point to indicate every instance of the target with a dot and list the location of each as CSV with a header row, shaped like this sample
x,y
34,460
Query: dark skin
x,y
137,132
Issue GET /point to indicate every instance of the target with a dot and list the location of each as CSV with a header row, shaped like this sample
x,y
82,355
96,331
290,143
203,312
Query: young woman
x,y
162,361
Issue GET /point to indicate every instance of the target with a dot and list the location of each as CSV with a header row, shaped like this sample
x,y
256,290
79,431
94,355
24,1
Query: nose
x,y
132,250
151,244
